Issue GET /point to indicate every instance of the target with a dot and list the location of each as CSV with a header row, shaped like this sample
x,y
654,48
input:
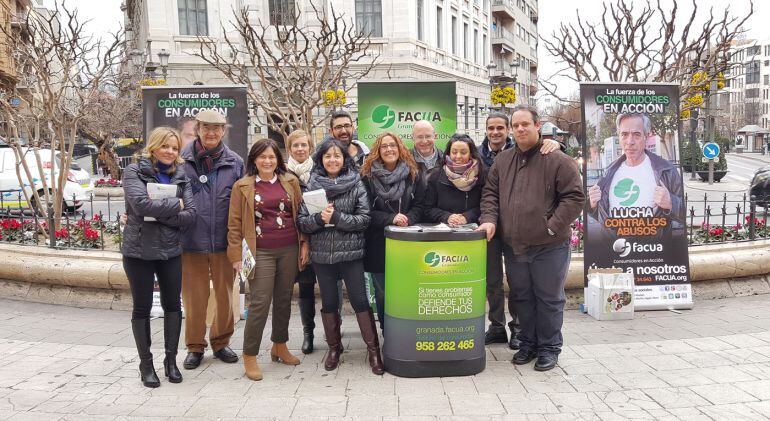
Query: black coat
x,y
443,199
160,239
344,241
383,212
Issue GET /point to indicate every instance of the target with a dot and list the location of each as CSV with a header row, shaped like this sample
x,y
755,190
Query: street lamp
x,y
163,58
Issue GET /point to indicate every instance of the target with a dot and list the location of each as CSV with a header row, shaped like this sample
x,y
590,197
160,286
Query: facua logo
x,y
434,259
622,247
626,191
384,116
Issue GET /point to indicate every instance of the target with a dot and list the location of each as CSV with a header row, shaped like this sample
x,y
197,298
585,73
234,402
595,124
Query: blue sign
x,y
710,150
15,102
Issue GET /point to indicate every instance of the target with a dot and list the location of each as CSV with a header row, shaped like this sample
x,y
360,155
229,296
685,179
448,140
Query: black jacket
x,y
443,199
426,172
383,212
161,239
344,241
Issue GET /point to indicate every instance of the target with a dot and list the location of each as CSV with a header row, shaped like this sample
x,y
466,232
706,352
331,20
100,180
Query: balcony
x,y
533,16
504,38
503,8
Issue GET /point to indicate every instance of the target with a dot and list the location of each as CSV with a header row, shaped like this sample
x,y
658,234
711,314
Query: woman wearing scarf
x,y
299,148
453,195
337,248
395,194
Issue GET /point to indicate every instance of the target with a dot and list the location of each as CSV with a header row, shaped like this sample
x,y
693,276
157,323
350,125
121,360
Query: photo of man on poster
x,y
639,179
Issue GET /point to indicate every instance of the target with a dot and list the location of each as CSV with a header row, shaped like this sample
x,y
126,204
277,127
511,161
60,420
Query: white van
x,y
76,191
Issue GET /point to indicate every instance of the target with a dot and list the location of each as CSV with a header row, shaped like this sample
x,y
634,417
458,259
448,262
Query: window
x,y
282,12
767,79
420,34
752,93
454,35
753,51
465,41
192,17
476,45
484,49
369,17
439,27
752,72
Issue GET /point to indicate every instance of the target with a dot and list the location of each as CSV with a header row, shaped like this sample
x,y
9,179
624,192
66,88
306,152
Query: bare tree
x,y
66,69
286,68
647,43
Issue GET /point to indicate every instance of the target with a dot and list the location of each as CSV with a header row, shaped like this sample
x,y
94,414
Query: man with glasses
x,y
341,128
425,152
213,169
638,179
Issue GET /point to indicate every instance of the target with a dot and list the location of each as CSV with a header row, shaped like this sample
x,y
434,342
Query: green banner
x,y
396,106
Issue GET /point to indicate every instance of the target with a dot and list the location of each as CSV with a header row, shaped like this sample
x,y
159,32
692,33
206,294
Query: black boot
x,y
307,314
141,329
172,325
369,334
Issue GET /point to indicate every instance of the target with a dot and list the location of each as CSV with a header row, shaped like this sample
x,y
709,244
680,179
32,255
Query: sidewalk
x,y
713,362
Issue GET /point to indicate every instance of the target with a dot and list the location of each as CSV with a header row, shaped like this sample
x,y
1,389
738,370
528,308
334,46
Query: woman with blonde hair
x,y
396,192
151,246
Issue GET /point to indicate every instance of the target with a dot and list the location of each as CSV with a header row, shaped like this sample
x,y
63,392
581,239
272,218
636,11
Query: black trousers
x,y
306,281
495,293
141,276
353,274
537,280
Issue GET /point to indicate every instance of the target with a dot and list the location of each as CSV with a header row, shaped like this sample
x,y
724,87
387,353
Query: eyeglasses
x,y
343,126
213,128
388,146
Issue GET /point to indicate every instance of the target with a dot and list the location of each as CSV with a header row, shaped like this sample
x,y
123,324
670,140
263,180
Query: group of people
x,y
523,194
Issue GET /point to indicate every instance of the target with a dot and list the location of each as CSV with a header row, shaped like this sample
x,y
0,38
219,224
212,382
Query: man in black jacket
x,y
498,139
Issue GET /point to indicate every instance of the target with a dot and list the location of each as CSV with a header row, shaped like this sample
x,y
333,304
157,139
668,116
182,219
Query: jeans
x,y
353,274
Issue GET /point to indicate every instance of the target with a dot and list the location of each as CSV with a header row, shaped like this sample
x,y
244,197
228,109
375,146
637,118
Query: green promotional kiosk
x,y
435,283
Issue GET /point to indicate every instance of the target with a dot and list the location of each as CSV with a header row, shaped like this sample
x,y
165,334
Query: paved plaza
x,y
65,363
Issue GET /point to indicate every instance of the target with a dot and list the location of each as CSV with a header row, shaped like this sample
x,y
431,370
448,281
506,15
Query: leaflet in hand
x,y
159,191
247,260
315,201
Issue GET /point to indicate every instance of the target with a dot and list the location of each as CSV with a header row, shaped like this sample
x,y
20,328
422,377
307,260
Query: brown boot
x,y
279,352
332,322
369,334
253,371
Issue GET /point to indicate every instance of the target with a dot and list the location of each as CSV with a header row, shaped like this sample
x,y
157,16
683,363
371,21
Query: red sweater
x,y
273,216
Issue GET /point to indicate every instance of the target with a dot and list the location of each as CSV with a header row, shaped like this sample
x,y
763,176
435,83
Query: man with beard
x,y
341,128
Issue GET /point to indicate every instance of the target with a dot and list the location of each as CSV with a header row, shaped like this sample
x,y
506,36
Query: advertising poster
x,y
635,210
396,106
177,106
435,301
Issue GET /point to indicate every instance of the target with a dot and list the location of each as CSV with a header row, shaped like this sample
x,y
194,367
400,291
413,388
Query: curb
x,y
111,191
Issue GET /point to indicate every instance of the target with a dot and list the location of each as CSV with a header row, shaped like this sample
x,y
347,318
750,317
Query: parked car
x,y
759,188
77,189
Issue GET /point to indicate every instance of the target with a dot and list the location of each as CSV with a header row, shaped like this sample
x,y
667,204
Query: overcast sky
x,y
105,16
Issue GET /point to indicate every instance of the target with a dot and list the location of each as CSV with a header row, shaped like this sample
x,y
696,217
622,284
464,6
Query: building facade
x,y
748,87
477,43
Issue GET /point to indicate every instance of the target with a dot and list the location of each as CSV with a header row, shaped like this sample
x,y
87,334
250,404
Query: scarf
x,y
337,186
205,159
163,175
464,176
301,169
430,161
389,185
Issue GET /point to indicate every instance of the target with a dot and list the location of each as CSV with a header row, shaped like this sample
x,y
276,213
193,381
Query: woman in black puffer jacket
x,y
151,246
337,247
